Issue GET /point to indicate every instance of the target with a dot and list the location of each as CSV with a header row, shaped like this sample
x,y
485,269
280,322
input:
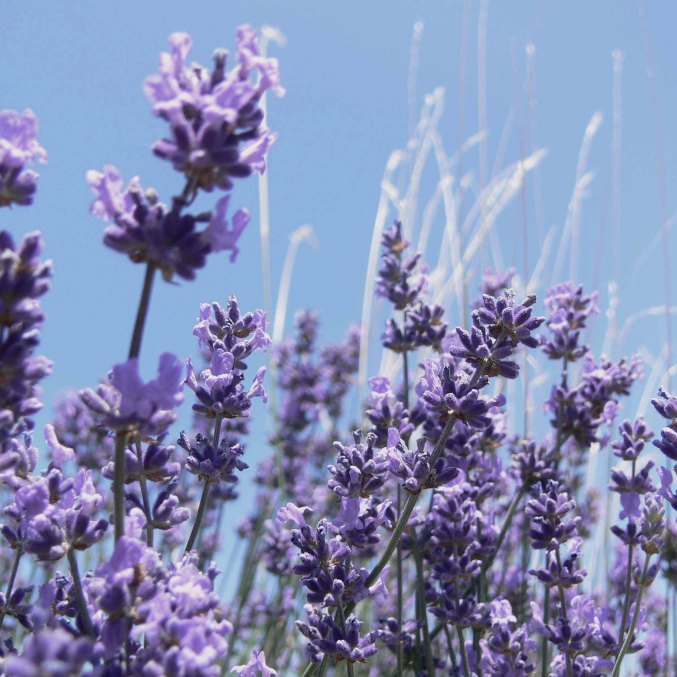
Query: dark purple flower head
x,y
413,466
569,311
502,316
153,463
52,652
547,511
666,405
132,405
478,349
210,464
450,393
360,469
219,387
18,147
24,278
361,519
149,231
231,331
216,123
18,606
328,639
533,463
398,280
386,411
634,436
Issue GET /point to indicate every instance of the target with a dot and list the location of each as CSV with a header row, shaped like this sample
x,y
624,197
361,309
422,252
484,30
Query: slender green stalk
x,y
10,585
144,496
409,506
142,311
119,484
400,593
79,594
545,662
198,519
628,582
350,672
464,655
633,623
422,612
563,603
205,493
504,529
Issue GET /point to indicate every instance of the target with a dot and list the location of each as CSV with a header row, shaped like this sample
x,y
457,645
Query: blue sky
x,y
80,66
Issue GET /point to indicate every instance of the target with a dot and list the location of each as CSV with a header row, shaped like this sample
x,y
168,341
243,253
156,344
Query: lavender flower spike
x,y
18,146
255,667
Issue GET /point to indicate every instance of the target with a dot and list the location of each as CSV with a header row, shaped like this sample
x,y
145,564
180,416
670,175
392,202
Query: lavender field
x,y
374,373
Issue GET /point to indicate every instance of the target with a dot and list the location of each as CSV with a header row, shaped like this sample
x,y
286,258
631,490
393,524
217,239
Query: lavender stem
x,y
633,623
205,494
142,312
10,585
119,485
79,594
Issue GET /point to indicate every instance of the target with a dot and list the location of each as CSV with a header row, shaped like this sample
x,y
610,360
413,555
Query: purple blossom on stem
x,y
215,118
149,231
18,147
255,667
128,404
24,278
53,652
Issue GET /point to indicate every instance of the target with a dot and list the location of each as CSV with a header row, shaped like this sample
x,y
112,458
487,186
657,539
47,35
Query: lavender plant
x,y
418,533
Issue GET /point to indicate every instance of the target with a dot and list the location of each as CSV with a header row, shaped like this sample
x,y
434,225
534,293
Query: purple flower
x,y
18,147
216,130
132,405
503,317
210,464
24,278
231,331
397,280
454,394
569,312
149,231
328,639
53,652
413,467
219,387
255,667
360,469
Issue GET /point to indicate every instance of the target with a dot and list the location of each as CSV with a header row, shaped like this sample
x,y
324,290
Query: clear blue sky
x,y
80,66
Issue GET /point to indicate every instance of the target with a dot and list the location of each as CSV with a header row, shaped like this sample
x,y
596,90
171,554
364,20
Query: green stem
x,y
422,613
10,584
545,663
79,593
400,648
342,624
633,623
464,655
409,506
142,312
205,493
628,582
144,496
119,485
198,519
504,529
563,602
